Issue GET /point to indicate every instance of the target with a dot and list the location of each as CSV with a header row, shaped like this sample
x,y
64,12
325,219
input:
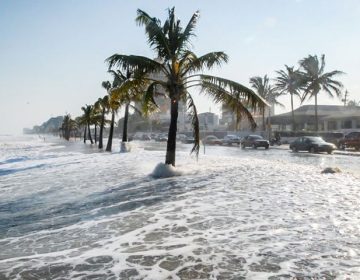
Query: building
x,y
330,118
228,119
208,121
162,115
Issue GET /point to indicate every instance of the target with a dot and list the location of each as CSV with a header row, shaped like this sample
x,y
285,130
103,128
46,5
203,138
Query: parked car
x,y
351,140
211,140
145,137
231,139
188,140
312,144
180,137
254,141
161,138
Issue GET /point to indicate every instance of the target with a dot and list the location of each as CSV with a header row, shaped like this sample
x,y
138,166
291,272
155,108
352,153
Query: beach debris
x,y
331,170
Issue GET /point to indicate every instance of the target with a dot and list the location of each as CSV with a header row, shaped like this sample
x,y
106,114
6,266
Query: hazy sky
x,y
52,52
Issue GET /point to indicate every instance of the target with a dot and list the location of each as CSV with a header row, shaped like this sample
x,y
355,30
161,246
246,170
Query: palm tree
x,y
96,119
179,68
67,126
316,80
129,90
264,89
114,105
103,105
290,82
86,117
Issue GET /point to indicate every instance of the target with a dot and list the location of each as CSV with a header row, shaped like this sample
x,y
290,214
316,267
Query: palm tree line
x,y
135,80
306,82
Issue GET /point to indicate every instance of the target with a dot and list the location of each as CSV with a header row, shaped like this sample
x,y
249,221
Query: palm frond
x,y
235,96
148,103
134,63
157,38
106,85
195,123
185,36
191,63
233,90
137,110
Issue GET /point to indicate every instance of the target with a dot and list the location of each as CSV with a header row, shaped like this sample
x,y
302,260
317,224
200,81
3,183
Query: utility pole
x,y
345,97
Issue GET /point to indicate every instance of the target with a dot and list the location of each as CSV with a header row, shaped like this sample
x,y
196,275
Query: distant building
x,y
208,121
330,118
162,115
228,119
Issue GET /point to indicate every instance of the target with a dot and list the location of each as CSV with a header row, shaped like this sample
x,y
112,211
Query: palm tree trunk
x,y
171,143
109,143
101,129
263,119
292,113
126,118
89,134
95,134
85,134
67,134
316,113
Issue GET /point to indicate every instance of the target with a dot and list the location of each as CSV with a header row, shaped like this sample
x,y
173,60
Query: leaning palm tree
x,y
87,120
96,119
114,106
177,69
128,91
316,80
290,82
264,89
102,104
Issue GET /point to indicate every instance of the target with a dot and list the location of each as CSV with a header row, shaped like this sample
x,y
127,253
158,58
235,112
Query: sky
x,y
52,53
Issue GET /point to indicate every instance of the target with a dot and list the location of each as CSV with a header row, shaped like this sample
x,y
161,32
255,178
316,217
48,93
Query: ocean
x,y
68,211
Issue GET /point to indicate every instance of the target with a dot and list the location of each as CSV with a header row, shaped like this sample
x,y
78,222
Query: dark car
x,y
351,140
161,138
254,141
231,139
188,140
211,140
312,144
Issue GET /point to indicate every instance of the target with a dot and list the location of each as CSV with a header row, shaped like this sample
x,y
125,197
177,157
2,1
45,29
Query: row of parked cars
x,y
253,141
315,144
311,144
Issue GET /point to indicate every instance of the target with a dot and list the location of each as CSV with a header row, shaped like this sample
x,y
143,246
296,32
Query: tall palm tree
x,y
290,82
264,89
102,104
179,69
96,119
129,89
87,118
114,106
316,79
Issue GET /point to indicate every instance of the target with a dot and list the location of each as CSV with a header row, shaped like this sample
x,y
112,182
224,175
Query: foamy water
x,y
69,212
